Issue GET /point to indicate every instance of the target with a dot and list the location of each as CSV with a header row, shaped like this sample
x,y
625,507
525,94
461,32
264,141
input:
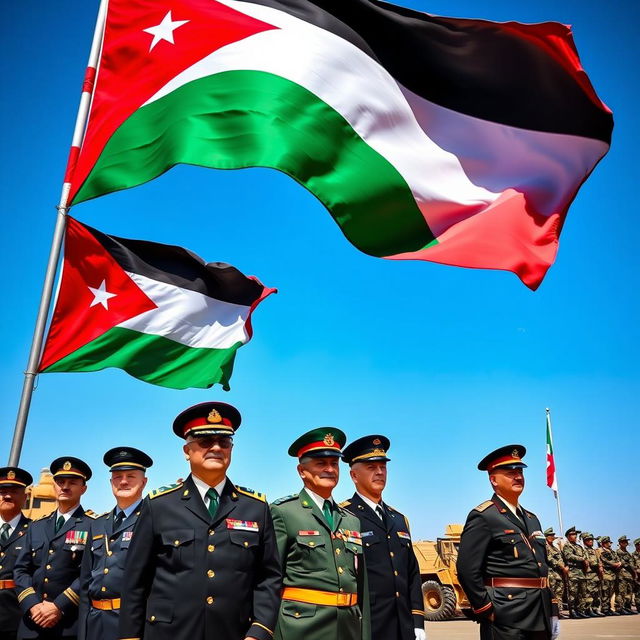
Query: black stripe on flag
x,y
182,268
476,67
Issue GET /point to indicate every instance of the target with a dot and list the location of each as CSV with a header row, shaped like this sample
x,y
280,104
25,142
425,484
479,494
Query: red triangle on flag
x,y
147,43
95,295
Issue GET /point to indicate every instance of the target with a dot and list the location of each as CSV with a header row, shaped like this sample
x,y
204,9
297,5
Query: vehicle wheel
x,y
439,601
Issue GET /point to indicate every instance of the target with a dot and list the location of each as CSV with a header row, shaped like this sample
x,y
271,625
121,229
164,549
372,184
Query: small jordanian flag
x,y
443,139
552,481
157,311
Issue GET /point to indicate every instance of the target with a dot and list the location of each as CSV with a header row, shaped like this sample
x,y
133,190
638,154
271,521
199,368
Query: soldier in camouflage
x,y
557,568
574,557
611,565
626,577
594,576
636,565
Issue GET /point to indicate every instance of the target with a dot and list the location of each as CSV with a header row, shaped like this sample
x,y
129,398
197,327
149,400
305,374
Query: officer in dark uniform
x,y
203,561
13,526
502,559
395,591
47,571
111,534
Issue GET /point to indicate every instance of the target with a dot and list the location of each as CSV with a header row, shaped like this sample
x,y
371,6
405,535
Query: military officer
x,y
636,565
502,559
575,559
557,568
325,593
626,577
611,565
594,573
203,560
110,536
395,591
13,526
47,571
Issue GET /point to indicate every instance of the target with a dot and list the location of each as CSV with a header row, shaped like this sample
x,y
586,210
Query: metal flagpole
x,y
556,492
58,237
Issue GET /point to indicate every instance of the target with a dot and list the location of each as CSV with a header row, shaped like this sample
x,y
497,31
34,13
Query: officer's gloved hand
x,y
555,628
420,634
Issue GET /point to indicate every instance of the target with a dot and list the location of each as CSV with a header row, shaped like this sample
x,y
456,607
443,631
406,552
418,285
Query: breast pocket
x,y
354,553
512,545
371,540
179,548
36,552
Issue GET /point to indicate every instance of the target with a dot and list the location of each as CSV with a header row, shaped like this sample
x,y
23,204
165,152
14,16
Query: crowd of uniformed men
x,y
207,558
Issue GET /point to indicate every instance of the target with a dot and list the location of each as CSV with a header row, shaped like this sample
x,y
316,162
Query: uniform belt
x,y
7,584
106,605
517,583
313,596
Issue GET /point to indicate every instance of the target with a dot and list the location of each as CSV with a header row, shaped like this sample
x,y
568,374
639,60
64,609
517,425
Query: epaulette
x,y
484,506
162,490
288,498
344,503
91,514
44,517
251,493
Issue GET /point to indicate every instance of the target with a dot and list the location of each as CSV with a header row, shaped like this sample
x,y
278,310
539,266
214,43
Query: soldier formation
x,y
594,582
207,558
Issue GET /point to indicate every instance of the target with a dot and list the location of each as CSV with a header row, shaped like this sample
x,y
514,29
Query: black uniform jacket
x,y
192,577
9,610
102,574
395,590
497,544
48,568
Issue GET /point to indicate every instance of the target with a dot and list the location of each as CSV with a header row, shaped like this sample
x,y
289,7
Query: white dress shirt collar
x,y
203,487
12,523
319,500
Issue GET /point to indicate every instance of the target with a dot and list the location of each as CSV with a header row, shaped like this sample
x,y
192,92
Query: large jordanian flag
x,y
155,310
456,141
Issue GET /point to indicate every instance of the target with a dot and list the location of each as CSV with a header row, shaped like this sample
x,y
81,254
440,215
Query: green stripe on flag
x,y
239,119
152,358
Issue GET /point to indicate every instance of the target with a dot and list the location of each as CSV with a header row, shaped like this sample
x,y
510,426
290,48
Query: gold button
x,y
341,589
388,537
210,600
367,544
152,618
340,570
312,544
397,594
337,552
106,570
44,595
211,573
50,550
297,614
246,544
48,566
539,564
391,553
109,553
211,547
46,579
211,532
395,573
510,596
103,589
176,542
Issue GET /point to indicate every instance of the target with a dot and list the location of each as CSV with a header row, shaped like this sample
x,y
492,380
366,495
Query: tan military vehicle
x,y
41,498
441,590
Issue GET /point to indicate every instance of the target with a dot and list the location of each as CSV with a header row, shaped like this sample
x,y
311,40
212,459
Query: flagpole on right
x,y
56,242
552,475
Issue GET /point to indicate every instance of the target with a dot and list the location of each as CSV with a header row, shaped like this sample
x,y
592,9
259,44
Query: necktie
x,y
328,513
4,532
380,512
59,523
117,521
212,494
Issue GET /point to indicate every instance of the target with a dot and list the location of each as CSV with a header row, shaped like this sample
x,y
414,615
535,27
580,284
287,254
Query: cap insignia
x,y
123,453
515,454
66,466
11,475
377,441
214,417
379,452
328,440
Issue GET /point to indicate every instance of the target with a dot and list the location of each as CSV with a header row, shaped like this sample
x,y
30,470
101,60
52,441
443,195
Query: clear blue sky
x,y
448,362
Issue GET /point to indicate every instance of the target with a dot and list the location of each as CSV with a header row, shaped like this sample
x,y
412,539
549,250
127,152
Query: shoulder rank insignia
x,y
91,514
251,493
162,490
483,506
344,503
288,498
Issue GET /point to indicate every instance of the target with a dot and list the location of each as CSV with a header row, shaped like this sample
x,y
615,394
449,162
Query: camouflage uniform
x,y
556,568
594,573
574,558
625,579
610,560
636,565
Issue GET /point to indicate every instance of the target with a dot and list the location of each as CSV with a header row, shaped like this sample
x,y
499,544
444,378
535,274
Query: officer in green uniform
x,y
325,594
594,574
611,565
636,565
574,557
557,568
625,577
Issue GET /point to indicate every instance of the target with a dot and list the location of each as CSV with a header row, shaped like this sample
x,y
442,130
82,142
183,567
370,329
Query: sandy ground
x,y
626,627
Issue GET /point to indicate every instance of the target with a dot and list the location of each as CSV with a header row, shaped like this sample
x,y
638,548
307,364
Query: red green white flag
x,y
455,141
157,311
552,480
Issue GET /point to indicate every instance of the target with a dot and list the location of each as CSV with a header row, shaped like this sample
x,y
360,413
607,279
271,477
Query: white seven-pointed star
x,y
164,30
101,295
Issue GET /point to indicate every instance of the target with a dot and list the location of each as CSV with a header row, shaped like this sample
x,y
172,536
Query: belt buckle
x,y
343,599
